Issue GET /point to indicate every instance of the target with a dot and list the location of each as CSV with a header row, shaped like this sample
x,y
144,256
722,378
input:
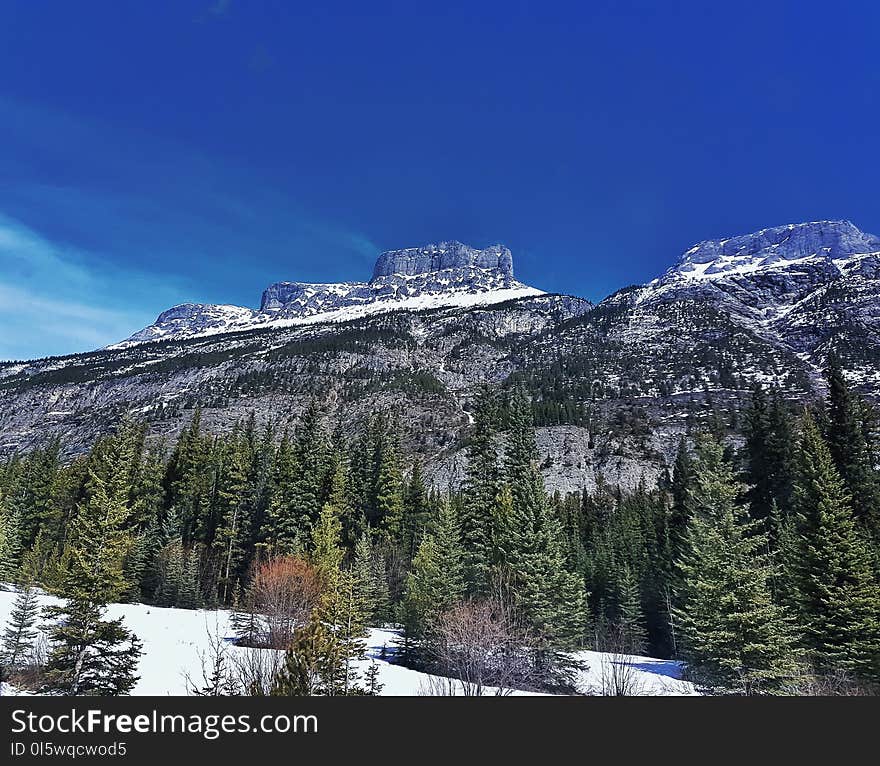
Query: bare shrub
x,y
215,678
480,645
252,672
618,675
282,594
837,684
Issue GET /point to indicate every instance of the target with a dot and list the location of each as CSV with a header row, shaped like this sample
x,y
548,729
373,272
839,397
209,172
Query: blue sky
x,y
159,152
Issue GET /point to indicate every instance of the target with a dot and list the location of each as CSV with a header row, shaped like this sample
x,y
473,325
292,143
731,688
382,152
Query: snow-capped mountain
x,y
806,285
614,383
833,244
766,306
434,276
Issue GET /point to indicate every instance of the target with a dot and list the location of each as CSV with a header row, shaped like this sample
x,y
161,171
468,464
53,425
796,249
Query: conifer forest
x,y
753,561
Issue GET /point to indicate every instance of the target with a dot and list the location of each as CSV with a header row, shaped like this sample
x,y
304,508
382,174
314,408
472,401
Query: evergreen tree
x,y
344,605
10,544
389,506
679,511
309,663
89,655
851,447
416,511
286,529
734,637
631,615
549,598
835,593
479,492
369,570
436,581
234,509
16,646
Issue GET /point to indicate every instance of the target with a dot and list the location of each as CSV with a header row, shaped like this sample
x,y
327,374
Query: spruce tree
x,y
734,637
851,446
679,511
835,593
479,492
16,645
436,580
90,655
10,544
530,550
631,616
309,663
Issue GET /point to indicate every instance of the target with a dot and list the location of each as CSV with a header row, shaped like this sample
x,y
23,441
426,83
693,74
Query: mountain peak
x,y
446,274
831,240
441,257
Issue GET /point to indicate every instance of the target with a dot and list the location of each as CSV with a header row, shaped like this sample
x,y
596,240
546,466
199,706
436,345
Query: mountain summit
x,y
433,276
780,245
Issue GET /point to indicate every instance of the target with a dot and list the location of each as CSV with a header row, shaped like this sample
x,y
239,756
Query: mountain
x,y
613,384
444,274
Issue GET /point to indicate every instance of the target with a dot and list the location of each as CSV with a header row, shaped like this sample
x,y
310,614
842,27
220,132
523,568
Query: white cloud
x,y
55,299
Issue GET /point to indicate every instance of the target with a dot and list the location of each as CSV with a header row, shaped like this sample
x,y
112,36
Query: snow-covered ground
x,y
176,640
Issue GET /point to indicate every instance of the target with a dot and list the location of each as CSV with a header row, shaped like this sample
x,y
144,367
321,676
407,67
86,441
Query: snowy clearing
x,y
176,640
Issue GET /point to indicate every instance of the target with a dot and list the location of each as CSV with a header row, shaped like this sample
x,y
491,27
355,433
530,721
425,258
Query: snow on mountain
x,y
834,242
447,274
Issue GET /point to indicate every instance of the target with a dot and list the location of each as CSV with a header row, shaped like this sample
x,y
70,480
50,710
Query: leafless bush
x,y
253,671
839,683
618,675
479,645
216,678
282,594
438,686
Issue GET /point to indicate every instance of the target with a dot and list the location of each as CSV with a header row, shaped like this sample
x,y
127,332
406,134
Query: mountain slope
x,y
613,384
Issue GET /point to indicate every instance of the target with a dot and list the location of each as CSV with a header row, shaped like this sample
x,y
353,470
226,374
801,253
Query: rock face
x,y
443,256
823,240
614,385
433,276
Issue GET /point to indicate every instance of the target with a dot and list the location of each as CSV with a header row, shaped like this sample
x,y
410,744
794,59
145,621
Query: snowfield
x,y
176,640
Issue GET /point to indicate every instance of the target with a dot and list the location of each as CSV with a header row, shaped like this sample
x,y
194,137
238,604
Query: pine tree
x,y
631,617
313,457
734,637
479,492
679,512
309,663
436,580
285,529
835,593
233,533
369,571
16,646
549,598
390,510
89,655
10,544
344,605
851,447
416,511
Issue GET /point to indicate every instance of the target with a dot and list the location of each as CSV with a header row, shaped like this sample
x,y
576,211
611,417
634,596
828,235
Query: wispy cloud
x,y
87,222
57,299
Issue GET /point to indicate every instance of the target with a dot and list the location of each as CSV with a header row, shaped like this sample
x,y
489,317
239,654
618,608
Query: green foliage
x,y
832,582
436,580
734,637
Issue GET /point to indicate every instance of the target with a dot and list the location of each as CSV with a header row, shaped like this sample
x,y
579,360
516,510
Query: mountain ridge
x,y
431,276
